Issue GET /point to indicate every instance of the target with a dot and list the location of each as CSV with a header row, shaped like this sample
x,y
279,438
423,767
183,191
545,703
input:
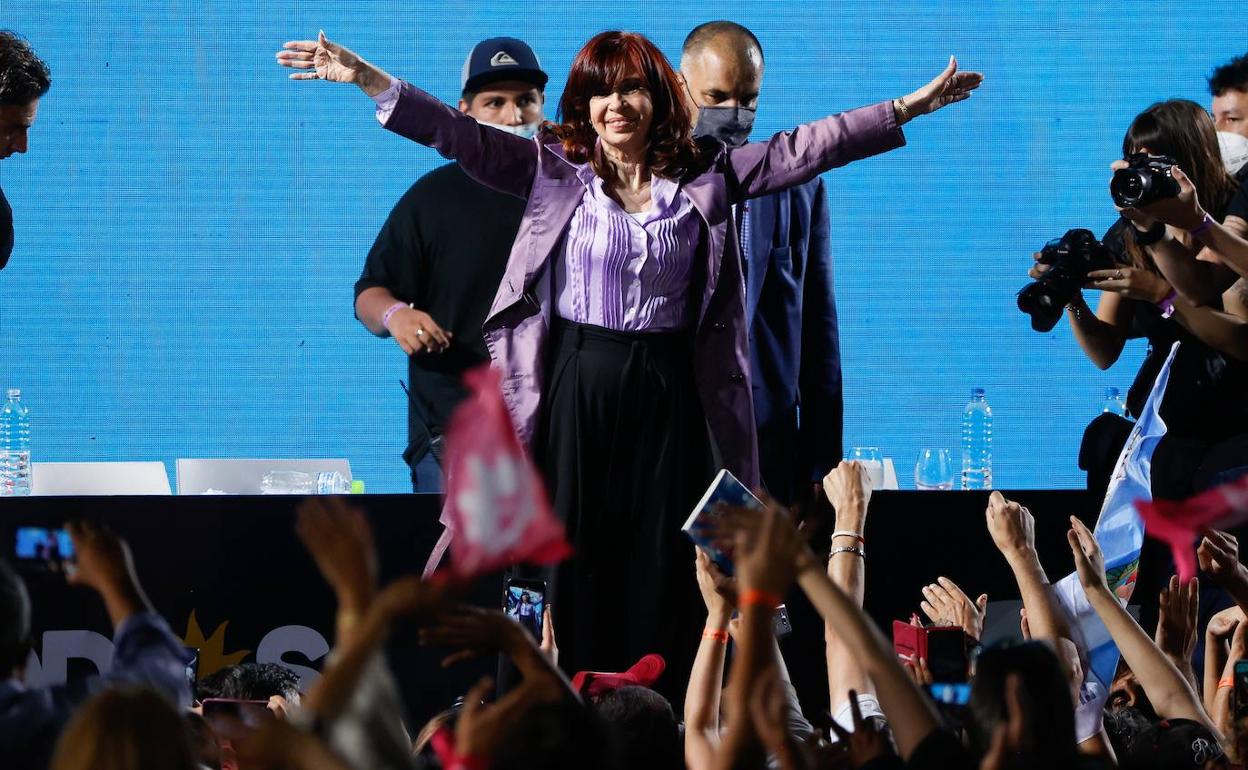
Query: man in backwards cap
x,y
431,275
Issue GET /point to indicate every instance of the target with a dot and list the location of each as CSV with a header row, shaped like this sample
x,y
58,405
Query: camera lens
x,y
1129,187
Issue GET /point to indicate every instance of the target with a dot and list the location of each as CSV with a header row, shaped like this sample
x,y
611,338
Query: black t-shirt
x,y
6,229
444,248
1238,207
1206,396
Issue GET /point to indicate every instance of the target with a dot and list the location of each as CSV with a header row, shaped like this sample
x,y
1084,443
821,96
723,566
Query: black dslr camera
x,y
1070,259
1145,179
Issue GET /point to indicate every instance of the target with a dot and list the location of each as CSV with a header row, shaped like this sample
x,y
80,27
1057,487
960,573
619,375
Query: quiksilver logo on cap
x,y
502,58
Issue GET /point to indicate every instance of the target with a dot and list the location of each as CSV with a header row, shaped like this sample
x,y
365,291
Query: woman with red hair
x,y
619,325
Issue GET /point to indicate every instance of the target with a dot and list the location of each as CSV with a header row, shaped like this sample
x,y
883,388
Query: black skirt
x,y
625,452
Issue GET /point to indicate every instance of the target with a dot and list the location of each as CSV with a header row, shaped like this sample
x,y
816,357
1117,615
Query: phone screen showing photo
x,y
526,603
50,549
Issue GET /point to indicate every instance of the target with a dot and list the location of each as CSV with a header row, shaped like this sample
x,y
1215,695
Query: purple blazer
x,y
537,170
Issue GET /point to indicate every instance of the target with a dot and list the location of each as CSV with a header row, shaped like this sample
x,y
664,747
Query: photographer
x,y
1204,407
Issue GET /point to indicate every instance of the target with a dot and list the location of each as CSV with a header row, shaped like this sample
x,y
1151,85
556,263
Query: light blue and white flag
x,y
1120,533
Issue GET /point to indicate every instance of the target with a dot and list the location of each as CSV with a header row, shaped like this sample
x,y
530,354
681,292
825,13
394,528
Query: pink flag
x,y
497,512
1179,524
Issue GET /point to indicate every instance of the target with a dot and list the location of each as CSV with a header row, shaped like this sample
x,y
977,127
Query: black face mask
x,y
730,125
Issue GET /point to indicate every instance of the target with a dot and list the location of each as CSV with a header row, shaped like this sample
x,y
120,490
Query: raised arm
x,y
1013,531
1196,246
1171,695
848,488
706,679
793,157
494,158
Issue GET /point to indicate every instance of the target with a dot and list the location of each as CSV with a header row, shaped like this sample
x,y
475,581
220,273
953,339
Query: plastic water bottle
x,y
977,442
1114,403
300,483
14,446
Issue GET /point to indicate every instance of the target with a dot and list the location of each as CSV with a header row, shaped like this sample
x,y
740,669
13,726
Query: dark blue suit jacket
x,y
795,350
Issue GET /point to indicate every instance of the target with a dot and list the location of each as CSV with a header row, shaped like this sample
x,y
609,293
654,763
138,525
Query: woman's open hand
x,y
322,59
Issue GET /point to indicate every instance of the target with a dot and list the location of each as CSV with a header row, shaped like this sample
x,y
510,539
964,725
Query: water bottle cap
x,y
1111,392
977,392
15,392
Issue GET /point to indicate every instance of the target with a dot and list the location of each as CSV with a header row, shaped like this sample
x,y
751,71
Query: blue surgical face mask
x,y
730,125
524,130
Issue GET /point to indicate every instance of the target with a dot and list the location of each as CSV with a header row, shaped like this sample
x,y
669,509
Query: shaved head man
x,y
787,262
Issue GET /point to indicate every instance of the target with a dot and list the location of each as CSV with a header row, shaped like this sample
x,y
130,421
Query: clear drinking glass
x,y
873,461
934,469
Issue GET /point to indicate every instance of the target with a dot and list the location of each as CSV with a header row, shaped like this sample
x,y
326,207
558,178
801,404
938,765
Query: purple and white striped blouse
x,y
627,272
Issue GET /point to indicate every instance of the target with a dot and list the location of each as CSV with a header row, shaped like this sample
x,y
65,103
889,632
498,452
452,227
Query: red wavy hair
x,y
608,59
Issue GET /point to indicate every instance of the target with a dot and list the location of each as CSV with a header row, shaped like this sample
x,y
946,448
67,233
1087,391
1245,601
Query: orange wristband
x,y
754,596
717,635
1227,681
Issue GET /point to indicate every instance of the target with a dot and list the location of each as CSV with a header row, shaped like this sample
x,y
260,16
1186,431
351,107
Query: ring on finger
x,y
420,332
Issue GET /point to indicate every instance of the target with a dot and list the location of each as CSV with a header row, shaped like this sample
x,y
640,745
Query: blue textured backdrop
x,y
190,222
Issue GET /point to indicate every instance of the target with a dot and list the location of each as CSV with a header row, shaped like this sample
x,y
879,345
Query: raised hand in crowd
x,y
867,741
1179,606
1218,633
945,604
321,59
1013,531
1224,644
474,631
702,697
848,487
1218,556
104,564
341,543
1171,695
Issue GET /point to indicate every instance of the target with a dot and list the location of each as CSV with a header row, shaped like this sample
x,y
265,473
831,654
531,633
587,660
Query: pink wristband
x,y
396,307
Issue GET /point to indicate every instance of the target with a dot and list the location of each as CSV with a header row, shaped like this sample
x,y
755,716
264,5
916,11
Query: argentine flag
x,y
1120,533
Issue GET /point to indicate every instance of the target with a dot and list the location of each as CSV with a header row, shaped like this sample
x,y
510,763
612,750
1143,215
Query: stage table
x,y
231,577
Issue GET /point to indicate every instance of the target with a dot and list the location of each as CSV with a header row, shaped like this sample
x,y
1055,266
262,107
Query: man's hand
x,y
947,605
1011,525
1176,622
1089,561
341,544
416,332
331,62
848,487
1218,555
946,88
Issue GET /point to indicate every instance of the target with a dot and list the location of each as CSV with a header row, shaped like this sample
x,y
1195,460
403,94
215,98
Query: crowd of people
x,y
739,709
627,329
